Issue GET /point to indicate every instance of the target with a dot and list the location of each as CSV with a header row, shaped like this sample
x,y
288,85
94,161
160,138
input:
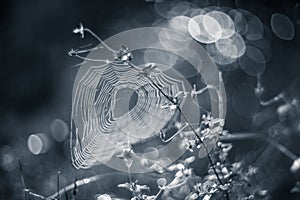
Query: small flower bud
x,y
104,197
161,182
296,165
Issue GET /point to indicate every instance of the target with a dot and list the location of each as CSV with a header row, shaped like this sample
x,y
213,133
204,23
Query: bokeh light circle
x,y
225,22
38,143
253,62
59,130
282,26
205,29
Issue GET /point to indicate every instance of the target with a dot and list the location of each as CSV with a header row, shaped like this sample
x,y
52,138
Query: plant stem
x,y
58,196
243,136
99,39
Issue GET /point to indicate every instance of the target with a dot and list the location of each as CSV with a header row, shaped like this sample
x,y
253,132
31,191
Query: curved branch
x,y
99,39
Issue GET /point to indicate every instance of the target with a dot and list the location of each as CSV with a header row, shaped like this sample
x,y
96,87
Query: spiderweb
x,y
103,127
120,104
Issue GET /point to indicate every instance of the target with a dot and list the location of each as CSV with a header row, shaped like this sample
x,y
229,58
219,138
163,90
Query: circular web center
x,y
125,100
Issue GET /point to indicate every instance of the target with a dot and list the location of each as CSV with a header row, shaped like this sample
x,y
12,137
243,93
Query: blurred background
x,y
36,82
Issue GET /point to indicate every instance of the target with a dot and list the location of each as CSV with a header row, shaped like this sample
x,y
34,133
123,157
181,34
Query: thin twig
x,y
259,90
23,181
129,175
66,195
22,176
243,136
271,101
173,136
99,39
58,196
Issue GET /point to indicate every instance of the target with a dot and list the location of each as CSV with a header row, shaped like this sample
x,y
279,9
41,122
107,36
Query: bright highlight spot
x,y
205,29
38,143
